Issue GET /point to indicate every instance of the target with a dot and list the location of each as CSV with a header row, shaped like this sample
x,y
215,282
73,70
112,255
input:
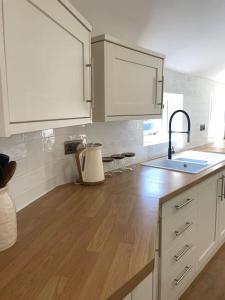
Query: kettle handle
x,y
80,162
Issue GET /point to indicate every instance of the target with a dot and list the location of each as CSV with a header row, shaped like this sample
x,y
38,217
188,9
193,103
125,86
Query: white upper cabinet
x,y
45,65
128,81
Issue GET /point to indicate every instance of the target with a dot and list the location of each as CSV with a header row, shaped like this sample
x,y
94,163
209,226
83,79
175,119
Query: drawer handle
x,y
186,226
178,280
186,202
222,196
182,252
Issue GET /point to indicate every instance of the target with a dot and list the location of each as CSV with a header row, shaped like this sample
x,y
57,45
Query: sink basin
x,y
192,162
177,165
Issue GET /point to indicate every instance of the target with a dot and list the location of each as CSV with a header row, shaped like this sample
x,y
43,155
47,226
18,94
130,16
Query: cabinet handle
x,y
162,82
186,226
186,202
91,66
182,252
178,280
222,189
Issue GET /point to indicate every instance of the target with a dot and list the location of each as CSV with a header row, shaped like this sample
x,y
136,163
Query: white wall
x,y
42,164
188,32
197,95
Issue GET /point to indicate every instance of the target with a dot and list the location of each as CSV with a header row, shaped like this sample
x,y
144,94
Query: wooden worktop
x,y
218,147
79,242
90,243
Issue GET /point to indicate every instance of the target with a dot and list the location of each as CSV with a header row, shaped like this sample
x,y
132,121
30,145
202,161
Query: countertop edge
x,y
206,174
132,283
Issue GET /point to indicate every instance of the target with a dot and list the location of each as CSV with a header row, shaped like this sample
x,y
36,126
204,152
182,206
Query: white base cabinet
x,y
144,291
45,59
178,244
206,229
192,230
128,81
128,297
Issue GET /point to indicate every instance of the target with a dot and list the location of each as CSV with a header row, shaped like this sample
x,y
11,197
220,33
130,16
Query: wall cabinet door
x,y
221,207
128,81
47,52
134,79
206,219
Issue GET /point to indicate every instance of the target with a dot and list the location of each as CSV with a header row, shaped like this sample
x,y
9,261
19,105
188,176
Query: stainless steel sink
x,y
188,162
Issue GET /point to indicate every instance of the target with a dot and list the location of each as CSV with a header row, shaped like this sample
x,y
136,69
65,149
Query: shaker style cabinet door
x,y
221,207
144,291
128,297
47,53
128,81
206,219
135,83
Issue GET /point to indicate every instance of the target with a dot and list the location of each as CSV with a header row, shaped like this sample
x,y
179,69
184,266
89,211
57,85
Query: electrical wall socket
x,y
71,147
202,127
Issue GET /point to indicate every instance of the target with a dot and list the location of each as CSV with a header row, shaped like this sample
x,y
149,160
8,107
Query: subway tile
x,y
15,151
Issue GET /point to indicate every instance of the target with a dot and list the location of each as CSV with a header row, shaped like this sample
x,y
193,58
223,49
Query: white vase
x,y
8,223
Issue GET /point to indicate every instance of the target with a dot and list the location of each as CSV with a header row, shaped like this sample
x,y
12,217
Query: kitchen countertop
x,y
97,242
218,147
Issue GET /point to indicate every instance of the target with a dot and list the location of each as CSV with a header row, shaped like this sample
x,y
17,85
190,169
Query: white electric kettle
x,y
89,163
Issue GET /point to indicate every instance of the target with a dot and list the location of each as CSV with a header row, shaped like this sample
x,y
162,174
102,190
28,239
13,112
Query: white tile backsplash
x,y
42,164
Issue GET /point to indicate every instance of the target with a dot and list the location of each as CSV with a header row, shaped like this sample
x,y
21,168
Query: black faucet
x,y
170,149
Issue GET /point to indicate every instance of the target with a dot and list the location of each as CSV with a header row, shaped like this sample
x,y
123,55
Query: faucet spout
x,y
188,132
188,137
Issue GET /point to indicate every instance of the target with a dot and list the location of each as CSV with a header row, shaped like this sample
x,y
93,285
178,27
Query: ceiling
x,y
191,33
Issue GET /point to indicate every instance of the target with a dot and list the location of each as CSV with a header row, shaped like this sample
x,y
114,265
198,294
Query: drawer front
x,y
178,218
173,285
179,230
179,205
172,259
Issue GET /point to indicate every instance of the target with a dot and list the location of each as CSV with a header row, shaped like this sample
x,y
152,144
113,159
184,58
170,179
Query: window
x,y
156,131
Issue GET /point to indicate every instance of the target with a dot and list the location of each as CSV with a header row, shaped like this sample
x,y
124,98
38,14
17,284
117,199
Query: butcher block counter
x,y
90,243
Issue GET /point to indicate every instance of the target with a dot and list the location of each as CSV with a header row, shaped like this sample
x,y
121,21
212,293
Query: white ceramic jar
x,y
8,223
